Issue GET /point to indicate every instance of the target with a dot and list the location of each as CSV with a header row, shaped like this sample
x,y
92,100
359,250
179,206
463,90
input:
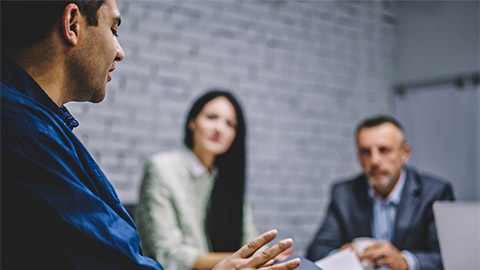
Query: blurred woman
x,y
191,211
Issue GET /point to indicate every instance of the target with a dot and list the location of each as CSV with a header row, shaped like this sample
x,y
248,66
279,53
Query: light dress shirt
x,y
171,212
384,217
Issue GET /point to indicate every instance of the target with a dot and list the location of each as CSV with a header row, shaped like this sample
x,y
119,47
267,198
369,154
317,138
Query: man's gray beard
x,y
386,182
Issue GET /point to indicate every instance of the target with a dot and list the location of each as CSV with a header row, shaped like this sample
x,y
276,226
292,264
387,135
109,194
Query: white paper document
x,y
342,260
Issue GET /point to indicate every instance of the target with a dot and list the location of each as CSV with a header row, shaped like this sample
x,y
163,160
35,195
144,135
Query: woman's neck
x,y
205,157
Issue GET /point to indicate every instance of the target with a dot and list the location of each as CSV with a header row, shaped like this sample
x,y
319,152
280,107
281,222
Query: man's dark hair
x,y
377,121
26,23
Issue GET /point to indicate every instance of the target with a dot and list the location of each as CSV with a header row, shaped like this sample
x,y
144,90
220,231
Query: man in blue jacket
x,y
58,210
389,201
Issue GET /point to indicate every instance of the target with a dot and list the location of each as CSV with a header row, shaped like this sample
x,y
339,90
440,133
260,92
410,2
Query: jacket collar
x,y
196,167
409,203
18,79
364,216
409,198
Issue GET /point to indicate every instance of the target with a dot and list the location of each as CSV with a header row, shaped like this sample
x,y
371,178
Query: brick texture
x,y
305,72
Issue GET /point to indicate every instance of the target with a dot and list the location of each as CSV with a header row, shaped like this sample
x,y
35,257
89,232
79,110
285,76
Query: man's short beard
x,y
384,183
81,84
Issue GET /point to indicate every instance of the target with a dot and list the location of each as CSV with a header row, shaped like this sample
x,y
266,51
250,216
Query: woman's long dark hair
x,y
224,223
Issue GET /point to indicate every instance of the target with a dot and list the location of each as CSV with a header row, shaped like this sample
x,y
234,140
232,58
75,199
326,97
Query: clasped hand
x,y
381,253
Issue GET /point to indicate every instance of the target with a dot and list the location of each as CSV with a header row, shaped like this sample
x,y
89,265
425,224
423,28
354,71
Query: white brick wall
x,y
305,71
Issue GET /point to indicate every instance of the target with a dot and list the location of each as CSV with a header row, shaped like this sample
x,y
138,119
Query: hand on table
x,y
384,253
347,245
246,258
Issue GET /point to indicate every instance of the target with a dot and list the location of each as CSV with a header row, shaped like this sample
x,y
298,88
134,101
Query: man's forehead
x,y
384,134
110,11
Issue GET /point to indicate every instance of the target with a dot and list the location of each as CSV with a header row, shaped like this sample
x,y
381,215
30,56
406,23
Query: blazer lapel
x,y
406,209
365,211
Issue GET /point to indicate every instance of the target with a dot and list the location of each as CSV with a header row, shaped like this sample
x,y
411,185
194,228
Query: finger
x,y
252,246
261,257
380,261
373,253
291,251
347,245
375,246
272,261
281,257
292,264
287,253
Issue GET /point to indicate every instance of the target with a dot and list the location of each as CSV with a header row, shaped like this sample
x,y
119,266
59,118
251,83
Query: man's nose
x,y
375,157
120,53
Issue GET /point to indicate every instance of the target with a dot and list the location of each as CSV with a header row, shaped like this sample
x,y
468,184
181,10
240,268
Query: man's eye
x,y
364,152
115,33
384,150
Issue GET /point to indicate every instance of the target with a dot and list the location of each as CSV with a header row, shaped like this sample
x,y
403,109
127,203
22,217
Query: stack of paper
x,y
342,260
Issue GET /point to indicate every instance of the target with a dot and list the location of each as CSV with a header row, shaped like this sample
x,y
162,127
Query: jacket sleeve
x,y
56,212
156,218
329,236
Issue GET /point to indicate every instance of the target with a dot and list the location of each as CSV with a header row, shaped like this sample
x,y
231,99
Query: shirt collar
x,y
69,120
22,82
396,192
196,167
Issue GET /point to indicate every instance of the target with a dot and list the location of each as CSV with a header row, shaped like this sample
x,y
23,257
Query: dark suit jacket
x,y
350,213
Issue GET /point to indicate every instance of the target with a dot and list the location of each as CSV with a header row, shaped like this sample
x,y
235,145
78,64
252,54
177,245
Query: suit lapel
x,y
364,221
406,209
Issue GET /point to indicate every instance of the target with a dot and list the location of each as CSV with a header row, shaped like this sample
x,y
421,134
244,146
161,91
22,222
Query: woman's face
x,y
214,128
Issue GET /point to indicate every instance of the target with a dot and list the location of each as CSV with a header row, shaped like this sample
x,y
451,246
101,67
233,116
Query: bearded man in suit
x,y
388,201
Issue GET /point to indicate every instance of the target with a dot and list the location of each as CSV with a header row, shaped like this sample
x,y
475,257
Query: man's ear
x,y
70,24
406,151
